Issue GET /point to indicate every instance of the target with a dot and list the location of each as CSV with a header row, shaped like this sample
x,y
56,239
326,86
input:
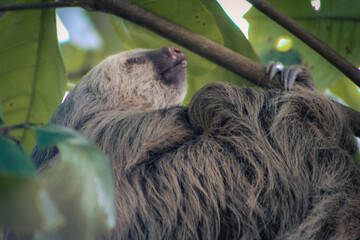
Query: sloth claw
x,y
288,74
273,68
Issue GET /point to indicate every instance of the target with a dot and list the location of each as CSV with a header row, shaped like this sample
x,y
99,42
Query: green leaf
x,y
25,206
233,39
13,159
77,61
348,92
32,75
204,17
336,23
6,2
50,135
81,184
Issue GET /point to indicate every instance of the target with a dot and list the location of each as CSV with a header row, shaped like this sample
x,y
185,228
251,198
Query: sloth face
x,y
168,62
140,79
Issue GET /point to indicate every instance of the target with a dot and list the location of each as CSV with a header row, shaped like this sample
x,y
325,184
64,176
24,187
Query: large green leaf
x,y
25,206
201,16
32,75
348,92
81,184
337,23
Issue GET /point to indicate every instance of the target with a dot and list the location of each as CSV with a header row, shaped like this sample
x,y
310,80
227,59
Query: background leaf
x,y
81,184
25,206
78,61
32,76
336,23
347,91
203,17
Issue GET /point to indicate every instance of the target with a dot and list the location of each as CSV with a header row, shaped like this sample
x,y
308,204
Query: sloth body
x,y
236,163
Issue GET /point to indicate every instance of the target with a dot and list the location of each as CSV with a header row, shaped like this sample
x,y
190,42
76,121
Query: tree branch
x,y
4,131
311,40
7,129
34,6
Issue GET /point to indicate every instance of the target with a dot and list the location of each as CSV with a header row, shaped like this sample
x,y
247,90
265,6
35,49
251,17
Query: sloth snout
x,y
175,53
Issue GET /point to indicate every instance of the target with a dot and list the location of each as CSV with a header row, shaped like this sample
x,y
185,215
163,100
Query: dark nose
x,y
174,52
166,58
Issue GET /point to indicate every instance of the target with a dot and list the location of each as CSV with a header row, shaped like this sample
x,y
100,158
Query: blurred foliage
x,y
32,74
24,205
71,199
336,23
75,198
347,91
81,184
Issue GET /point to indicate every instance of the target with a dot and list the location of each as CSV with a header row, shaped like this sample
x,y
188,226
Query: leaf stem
x,y
6,129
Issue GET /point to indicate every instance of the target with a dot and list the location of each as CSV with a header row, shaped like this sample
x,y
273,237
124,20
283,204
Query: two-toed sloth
x,y
236,163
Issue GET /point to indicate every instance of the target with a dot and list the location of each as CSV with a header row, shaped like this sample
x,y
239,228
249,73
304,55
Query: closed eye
x,y
136,60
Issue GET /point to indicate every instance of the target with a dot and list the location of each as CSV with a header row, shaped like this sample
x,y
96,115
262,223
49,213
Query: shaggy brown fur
x,y
237,163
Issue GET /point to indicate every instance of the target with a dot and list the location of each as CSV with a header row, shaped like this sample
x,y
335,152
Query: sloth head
x,y
139,79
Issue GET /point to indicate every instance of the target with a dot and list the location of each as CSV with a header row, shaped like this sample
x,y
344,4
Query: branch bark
x,y
34,6
5,131
196,43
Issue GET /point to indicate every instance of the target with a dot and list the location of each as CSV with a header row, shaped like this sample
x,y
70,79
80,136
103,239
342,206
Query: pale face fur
x,y
136,80
135,83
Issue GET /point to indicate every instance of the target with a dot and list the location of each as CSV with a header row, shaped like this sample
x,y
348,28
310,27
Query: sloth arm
x,y
130,138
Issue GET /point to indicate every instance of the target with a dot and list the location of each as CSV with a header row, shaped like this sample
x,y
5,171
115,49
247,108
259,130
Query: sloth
x,y
236,163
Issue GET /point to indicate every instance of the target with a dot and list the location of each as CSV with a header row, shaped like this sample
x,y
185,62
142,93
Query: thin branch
x,y
4,131
7,129
311,40
34,6
330,17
